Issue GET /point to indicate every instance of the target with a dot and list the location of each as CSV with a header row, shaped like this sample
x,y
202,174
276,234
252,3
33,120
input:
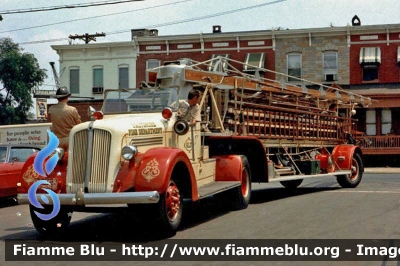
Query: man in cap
x,y
63,117
192,112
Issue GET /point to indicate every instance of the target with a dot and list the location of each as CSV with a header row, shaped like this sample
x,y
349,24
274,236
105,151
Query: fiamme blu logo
x,y
48,168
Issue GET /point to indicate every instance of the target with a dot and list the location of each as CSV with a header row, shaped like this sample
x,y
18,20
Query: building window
x,y
152,75
254,61
370,72
152,63
97,77
98,83
294,67
123,77
74,81
386,121
330,69
370,58
371,122
219,65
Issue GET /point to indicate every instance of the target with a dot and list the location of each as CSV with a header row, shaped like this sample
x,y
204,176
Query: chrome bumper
x,y
82,199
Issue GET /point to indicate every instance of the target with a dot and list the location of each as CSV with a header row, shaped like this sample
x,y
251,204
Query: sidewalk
x,y
382,170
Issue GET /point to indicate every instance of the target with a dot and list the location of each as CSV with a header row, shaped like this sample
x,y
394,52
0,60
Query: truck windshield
x,y
139,100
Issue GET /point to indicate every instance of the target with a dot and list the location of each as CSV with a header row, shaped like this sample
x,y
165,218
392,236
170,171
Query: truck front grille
x,y
93,161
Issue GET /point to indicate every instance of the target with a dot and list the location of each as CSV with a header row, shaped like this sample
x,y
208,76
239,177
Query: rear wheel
x,y
352,180
54,227
242,194
292,184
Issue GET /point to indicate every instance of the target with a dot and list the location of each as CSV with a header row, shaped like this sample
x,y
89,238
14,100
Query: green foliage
x,y
19,74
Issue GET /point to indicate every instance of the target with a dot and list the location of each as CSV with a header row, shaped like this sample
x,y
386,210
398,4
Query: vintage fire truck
x,y
139,152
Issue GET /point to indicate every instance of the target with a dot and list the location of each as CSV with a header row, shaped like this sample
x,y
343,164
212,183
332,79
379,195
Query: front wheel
x,y
170,208
54,227
352,180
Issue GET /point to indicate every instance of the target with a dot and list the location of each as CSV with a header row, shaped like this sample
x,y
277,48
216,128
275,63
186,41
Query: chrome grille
x,y
79,156
147,141
99,165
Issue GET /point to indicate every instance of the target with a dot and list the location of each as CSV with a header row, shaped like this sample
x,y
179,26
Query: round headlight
x,y
128,152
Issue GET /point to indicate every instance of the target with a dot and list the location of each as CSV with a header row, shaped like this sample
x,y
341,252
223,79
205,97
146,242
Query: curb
x,y
382,170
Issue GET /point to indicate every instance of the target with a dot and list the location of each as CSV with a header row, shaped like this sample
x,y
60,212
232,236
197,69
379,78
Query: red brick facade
x,y
195,52
388,68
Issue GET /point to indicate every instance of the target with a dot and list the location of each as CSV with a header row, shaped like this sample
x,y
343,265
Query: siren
x,y
181,127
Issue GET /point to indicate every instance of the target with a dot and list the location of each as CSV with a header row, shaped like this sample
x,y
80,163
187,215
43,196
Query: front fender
x,y
343,155
57,178
155,170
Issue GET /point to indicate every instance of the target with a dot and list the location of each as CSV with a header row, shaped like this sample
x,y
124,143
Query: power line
x,y
93,17
43,41
202,17
51,8
178,21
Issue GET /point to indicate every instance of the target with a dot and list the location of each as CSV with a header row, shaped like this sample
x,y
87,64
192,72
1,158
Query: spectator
x,y
63,117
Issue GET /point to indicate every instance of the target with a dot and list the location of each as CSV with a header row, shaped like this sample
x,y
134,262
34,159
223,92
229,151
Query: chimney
x,y
144,32
356,21
153,32
216,29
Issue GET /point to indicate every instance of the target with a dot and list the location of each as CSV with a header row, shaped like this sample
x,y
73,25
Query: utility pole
x,y
87,37
56,79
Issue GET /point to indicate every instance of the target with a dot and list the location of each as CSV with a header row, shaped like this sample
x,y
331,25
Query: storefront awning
x,y
370,55
381,97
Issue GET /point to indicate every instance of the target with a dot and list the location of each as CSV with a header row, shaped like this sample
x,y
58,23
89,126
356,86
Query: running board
x,y
284,171
216,187
294,177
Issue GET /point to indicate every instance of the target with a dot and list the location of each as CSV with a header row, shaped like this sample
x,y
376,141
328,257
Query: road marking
x,y
364,191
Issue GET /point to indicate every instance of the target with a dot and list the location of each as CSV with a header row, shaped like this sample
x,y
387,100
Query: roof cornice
x,y
243,35
93,45
327,31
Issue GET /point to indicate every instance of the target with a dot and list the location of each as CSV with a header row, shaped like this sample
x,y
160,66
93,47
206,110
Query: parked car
x,y
12,159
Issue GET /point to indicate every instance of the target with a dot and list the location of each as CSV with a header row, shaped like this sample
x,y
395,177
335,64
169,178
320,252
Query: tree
x,y
19,74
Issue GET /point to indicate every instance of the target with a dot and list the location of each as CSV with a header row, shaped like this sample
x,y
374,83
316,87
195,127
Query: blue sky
x,y
232,15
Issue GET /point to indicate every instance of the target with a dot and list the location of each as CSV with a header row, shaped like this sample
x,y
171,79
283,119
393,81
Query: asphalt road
x,y
319,209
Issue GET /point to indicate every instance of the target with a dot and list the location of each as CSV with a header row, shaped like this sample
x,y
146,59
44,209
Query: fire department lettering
x,y
145,131
142,125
